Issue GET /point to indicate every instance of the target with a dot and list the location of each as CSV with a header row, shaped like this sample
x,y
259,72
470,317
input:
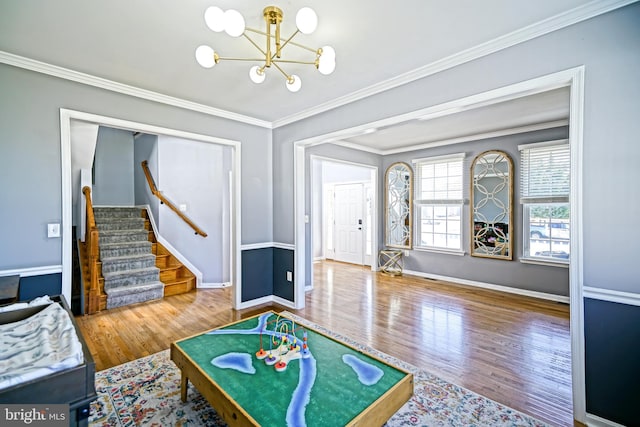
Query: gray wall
x,y
145,148
30,159
608,48
195,174
548,279
113,169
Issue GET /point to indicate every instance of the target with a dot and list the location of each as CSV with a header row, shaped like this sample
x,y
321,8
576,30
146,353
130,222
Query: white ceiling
x,y
150,44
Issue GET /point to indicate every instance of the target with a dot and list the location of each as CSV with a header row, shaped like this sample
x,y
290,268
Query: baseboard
x,y
285,302
596,421
269,299
214,285
255,302
491,286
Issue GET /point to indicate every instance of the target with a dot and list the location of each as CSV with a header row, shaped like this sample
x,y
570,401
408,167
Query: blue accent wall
x,y
612,360
282,262
264,273
36,286
257,273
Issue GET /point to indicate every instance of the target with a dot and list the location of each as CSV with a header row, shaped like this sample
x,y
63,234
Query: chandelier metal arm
x,y
288,41
291,61
228,58
255,44
287,76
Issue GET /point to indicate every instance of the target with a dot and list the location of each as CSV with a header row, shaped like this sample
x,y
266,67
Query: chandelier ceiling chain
x,y
233,23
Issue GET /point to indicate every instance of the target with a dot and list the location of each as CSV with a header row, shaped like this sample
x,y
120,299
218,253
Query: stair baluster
x,y
91,241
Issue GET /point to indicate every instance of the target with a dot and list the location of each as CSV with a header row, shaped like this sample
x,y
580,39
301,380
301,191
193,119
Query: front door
x,y
349,219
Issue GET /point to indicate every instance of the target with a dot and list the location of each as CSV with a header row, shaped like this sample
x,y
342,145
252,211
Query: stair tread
x,y
132,257
136,287
125,235
131,272
123,231
115,245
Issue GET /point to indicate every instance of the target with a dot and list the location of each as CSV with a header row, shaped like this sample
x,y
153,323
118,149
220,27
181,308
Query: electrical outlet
x,y
289,276
53,230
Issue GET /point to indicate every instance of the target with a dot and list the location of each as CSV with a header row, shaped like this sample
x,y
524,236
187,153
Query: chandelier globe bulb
x,y
214,18
328,52
205,56
326,66
294,83
306,20
234,24
257,75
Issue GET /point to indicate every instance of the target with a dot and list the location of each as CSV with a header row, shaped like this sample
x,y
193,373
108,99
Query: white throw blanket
x,y
37,346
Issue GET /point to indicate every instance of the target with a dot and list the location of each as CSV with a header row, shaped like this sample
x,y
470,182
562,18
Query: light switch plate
x,y
53,230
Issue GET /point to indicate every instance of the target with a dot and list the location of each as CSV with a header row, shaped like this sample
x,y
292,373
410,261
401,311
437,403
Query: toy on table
x,y
284,345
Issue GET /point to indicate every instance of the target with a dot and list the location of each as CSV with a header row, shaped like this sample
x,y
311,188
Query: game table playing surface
x,y
334,385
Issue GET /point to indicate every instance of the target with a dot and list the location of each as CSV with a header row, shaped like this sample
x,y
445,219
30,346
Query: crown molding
x,y
538,29
440,143
554,23
99,82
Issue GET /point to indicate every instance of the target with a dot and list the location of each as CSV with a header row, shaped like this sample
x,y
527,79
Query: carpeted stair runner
x,y
128,265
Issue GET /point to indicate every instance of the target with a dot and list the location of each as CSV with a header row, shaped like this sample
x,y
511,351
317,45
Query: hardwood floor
x,y
512,349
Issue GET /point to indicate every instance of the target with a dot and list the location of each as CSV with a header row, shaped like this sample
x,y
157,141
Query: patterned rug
x,y
146,392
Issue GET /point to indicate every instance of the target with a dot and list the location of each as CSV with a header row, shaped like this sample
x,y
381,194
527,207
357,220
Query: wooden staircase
x,y
176,277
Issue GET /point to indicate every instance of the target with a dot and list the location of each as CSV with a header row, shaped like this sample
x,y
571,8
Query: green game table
x,y
306,379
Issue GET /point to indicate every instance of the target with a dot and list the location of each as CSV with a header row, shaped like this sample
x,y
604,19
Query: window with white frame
x,y
439,202
545,179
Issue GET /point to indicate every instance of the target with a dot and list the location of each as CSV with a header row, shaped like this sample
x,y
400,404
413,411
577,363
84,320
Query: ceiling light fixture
x,y
232,22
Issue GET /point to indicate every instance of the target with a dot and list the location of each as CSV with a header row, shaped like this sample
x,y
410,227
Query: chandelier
x,y
232,22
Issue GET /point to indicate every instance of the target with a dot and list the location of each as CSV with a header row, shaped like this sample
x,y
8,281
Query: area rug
x,y
146,392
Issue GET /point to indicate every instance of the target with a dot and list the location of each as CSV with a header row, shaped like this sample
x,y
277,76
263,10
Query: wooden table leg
x,y
184,385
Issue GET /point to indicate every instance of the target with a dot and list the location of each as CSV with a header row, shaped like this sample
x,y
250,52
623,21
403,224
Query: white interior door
x,y
349,223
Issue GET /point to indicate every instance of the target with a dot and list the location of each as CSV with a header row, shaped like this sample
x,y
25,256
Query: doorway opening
x,y
343,205
71,151
574,80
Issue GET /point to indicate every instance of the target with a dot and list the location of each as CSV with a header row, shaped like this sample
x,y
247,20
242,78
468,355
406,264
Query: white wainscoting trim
x,y
491,286
596,421
611,295
32,271
263,245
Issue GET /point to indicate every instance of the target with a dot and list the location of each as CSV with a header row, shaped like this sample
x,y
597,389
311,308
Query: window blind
x,y
545,173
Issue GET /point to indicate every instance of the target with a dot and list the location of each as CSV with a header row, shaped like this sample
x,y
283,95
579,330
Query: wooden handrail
x,y
155,192
93,251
